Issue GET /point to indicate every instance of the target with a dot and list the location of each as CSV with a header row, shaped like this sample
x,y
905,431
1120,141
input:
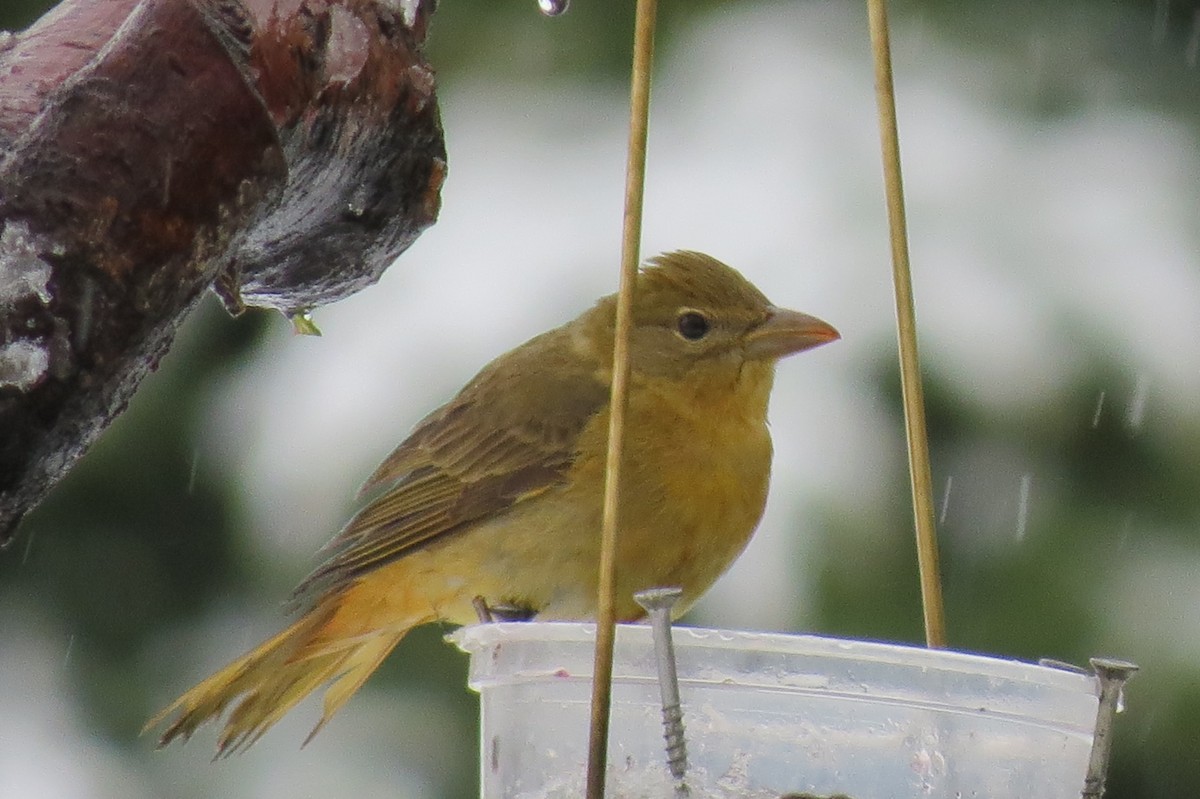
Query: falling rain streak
x,y
945,499
1099,410
1023,505
28,546
1135,416
70,649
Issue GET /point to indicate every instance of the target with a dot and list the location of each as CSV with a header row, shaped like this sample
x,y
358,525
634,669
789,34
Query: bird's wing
x,y
511,434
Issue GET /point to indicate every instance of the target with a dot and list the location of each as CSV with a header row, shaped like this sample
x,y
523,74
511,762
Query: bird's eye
x,y
692,325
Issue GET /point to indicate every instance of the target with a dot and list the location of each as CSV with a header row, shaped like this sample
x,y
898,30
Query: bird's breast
x,y
693,491
693,487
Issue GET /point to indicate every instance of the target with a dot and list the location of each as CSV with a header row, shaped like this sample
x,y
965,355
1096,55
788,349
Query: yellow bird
x,y
497,494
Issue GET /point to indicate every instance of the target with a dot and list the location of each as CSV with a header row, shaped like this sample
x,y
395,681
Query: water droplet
x,y
553,8
303,324
1023,504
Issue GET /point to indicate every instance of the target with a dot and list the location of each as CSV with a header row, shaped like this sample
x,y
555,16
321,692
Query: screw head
x,y
653,599
1113,669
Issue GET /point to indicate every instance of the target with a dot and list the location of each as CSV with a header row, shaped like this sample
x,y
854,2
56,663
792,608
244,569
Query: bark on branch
x,y
281,152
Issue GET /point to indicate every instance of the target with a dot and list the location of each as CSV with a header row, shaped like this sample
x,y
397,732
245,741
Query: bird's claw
x,y
505,611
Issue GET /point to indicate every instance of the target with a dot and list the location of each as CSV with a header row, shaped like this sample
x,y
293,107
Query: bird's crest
x,y
692,278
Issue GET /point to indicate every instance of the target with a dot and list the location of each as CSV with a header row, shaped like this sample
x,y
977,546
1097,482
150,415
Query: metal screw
x,y
658,603
1112,674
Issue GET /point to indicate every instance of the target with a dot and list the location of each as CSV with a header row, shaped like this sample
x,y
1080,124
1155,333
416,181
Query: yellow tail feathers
x,y
341,641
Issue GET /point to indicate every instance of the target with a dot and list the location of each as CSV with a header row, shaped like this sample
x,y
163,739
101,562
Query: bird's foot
x,y
503,611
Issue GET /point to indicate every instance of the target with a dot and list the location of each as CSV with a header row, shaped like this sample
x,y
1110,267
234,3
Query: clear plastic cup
x,y
768,715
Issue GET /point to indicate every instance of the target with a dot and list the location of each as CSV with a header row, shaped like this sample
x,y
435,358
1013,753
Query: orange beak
x,y
787,332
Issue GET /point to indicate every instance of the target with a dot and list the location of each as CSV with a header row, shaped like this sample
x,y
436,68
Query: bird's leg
x,y
504,611
482,610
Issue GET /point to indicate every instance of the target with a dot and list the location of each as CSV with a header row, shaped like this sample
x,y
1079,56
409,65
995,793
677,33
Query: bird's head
x,y
692,312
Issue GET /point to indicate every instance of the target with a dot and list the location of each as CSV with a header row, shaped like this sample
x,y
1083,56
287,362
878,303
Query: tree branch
x,y
282,152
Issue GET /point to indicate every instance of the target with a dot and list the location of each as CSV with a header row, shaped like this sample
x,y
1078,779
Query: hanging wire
x,y
910,367
635,178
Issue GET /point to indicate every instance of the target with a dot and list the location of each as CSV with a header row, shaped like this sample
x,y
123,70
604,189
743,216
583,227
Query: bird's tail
x,y
341,641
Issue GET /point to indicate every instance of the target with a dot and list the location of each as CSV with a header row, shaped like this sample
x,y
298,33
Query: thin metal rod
x,y
635,178
910,367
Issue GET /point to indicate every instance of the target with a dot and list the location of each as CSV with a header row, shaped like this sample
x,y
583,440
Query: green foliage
x,y
142,533
1047,596
146,533
19,14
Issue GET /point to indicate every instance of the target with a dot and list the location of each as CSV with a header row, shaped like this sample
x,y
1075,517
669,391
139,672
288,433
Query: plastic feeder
x,y
769,715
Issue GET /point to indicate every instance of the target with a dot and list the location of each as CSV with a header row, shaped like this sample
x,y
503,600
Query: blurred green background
x,y
1051,163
